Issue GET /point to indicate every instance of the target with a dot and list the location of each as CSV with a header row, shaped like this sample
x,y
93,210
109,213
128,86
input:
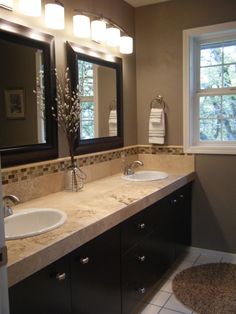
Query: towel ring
x,y
158,102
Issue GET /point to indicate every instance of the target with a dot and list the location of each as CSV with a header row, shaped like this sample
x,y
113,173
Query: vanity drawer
x,y
141,269
136,228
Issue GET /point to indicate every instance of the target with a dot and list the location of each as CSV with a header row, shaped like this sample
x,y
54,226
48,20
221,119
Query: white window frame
x,y
191,43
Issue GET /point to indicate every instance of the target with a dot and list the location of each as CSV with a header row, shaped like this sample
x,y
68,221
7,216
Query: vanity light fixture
x,y
98,31
103,31
81,25
30,7
55,15
126,45
6,4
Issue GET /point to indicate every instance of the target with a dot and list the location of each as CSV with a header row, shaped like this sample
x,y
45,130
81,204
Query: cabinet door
x,y
180,203
95,275
45,292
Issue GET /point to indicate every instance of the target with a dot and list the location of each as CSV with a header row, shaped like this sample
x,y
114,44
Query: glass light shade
x,y
98,31
113,36
30,7
81,24
7,4
126,45
54,16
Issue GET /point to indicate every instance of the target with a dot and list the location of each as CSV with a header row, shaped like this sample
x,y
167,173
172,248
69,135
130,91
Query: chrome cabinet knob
x,y
142,290
141,226
61,276
141,258
84,260
181,196
174,201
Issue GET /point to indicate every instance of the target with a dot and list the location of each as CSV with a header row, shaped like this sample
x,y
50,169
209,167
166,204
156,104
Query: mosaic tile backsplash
x,y
32,171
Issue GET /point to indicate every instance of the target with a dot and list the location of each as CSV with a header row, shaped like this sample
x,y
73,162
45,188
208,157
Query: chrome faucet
x,y
7,199
129,169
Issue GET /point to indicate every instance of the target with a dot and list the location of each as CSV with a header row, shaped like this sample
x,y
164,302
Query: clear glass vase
x,y
74,179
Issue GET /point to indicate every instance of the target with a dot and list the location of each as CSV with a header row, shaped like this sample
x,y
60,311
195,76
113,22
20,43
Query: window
x,y
87,86
210,89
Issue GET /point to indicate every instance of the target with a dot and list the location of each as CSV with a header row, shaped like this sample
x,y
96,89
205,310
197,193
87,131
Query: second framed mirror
x,y
99,78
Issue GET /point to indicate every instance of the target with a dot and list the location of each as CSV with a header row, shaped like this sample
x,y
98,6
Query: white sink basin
x,y
32,221
146,176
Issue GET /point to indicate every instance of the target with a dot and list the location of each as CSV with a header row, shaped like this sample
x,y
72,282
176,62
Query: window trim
x,y
190,47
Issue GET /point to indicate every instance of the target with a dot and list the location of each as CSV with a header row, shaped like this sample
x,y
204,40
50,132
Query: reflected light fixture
x,y
113,37
54,15
126,45
30,7
98,31
6,4
81,25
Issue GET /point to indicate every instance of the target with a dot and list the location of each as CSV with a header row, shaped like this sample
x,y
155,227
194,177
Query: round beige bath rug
x,y
207,289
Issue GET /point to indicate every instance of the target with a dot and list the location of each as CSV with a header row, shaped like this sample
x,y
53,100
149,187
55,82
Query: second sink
x,y
146,176
33,221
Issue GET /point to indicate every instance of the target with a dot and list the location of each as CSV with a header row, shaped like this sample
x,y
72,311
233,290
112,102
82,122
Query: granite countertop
x,y
101,205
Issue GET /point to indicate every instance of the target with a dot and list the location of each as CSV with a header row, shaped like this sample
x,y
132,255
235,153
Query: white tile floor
x,y
164,302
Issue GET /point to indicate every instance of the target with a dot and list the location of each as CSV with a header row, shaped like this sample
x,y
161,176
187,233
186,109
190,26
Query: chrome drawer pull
x,y
142,290
84,260
61,276
141,226
142,258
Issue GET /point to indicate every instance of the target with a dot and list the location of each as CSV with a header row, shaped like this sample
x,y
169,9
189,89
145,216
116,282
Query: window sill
x,y
220,150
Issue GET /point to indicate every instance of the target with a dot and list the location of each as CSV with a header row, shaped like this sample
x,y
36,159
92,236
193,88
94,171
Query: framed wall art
x,y
14,101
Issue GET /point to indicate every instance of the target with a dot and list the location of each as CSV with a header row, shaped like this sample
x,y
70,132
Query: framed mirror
x,y
28,132
99,78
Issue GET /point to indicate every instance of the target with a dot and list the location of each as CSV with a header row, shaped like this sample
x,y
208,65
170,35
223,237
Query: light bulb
x,y
30,7
113,37
81,24
54,16
126,45
98,31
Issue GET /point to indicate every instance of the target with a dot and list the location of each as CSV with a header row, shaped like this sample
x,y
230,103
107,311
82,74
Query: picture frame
x,y
14,102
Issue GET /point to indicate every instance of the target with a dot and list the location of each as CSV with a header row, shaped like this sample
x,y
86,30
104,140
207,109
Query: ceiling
x,y
140,3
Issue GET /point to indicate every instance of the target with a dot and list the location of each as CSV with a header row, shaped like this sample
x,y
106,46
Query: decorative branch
x,y
68,110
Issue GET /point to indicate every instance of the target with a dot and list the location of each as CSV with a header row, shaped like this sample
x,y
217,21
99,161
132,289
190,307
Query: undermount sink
x,y
32,221
146,176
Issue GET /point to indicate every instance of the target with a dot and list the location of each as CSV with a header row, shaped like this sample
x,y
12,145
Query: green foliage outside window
x,y
217,113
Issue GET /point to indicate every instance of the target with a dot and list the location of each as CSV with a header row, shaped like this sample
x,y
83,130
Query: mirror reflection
x,y
98,88
21,118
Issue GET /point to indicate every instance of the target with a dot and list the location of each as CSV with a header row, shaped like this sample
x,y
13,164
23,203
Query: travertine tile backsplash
x,y
39,179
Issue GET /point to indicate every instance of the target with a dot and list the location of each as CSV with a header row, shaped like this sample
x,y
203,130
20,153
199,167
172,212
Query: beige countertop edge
x,y
34,261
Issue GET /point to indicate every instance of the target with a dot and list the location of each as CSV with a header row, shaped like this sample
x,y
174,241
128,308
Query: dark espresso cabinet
x,y
114,272
179,203
45,292
95,275
151,241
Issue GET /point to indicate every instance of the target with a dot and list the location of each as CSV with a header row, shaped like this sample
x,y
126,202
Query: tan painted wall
x,y
118,11
159,70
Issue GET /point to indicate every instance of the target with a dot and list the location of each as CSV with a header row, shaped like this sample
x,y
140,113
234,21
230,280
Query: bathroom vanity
x,y
106,260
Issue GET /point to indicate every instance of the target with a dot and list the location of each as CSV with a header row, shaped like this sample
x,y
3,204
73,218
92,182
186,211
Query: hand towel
x,y
157,126
112,123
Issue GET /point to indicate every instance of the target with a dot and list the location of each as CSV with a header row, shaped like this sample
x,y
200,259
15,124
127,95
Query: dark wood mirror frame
x,y
75,52
11,156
